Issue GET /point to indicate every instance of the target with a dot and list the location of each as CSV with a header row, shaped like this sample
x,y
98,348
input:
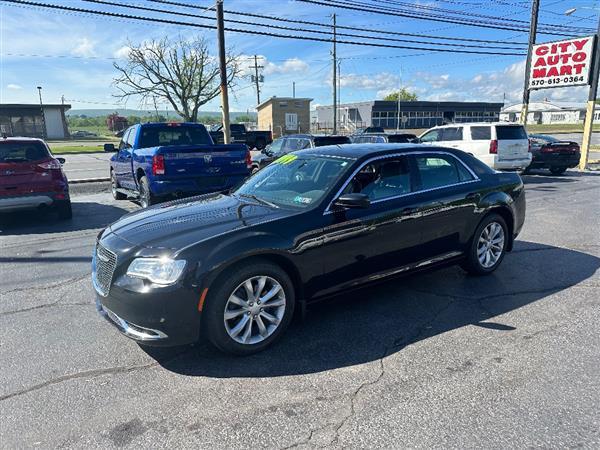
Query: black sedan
x,y
550,153
234,267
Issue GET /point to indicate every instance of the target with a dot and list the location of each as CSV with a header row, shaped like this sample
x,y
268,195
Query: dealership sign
x,y
562,63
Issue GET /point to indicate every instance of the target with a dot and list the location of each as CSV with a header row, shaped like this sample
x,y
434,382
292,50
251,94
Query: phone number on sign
x,y
554,81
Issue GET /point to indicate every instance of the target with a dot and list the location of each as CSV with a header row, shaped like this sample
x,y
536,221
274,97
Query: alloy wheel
x,y
490,245
254,310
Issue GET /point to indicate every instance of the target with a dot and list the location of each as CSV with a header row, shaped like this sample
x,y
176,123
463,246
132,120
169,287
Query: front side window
x,y
123,143
431,136
440,170
297,181
276,146
382,179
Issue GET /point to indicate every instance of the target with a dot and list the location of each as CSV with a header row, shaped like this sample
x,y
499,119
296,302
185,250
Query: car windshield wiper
x,y
259,200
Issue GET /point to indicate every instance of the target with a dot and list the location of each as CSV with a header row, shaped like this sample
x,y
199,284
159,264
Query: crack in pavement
x,y
93,373
49,286
47,305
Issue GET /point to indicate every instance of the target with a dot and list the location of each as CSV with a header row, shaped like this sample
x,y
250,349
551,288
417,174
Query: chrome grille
x,y
105,262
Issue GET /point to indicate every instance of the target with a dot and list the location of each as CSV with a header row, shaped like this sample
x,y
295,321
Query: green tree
x,y
401,95
244,118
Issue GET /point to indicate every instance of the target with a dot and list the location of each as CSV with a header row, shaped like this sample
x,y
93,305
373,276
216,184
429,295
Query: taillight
x,y
248,159
493,147
53,164
158,165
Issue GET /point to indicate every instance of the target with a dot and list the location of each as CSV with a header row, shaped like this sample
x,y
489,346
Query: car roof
x,y
365,151
20,139
477,124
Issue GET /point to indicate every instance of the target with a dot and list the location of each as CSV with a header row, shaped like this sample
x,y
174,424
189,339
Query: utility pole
x,y
256,79
535,6
223,69
339,90
399,107
588,124
293,89
44,132
334,54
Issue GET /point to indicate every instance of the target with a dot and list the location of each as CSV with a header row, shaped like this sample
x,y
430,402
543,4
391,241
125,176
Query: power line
x,y
353,28
372,9
377,38
244,31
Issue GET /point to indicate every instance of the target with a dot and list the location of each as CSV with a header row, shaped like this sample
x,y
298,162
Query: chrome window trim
x,y
393,155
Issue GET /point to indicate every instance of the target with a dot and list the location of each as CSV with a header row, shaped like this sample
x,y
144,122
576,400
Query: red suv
x,y
30,177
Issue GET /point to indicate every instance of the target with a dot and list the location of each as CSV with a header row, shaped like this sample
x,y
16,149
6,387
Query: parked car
x,y
380,138
83,134
234,266
239,134
550,153
501,145
31,178
157,161
369,130
291,143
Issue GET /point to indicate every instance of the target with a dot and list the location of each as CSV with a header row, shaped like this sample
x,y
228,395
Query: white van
x,y
501,145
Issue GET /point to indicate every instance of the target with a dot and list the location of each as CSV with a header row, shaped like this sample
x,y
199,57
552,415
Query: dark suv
x,y
31,178
291,143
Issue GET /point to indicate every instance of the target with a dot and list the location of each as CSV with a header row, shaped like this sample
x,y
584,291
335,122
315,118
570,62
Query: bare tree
x,y
181,71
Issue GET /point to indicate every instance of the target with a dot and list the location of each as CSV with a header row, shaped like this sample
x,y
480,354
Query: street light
x,y
44,133
588,123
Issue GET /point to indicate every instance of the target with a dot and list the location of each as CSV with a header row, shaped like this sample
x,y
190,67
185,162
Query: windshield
x,y
294,180
22,151
174,135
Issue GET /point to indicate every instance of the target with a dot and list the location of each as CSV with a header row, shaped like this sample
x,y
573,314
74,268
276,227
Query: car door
x,y
453,137
119,165
431,137
363,245
447,197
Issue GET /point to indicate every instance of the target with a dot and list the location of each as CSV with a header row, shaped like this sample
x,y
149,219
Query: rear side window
x,y
440,170
22,151
178,135
452,134
331,140
481,133
510,132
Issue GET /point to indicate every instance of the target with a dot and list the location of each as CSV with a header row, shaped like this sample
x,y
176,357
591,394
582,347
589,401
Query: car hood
x,y
181,223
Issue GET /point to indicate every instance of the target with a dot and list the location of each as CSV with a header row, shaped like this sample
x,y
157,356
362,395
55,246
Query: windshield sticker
x,y
286,159
303,200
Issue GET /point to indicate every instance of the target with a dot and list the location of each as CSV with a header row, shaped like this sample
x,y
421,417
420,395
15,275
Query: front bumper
x,y
131,330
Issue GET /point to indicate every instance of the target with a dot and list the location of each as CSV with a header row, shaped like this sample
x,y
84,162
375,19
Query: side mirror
x,y
109,148
61,160
266,150
353,201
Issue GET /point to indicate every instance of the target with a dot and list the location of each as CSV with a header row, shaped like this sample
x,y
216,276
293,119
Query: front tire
x,y
146,197
488,246
557,170
249,309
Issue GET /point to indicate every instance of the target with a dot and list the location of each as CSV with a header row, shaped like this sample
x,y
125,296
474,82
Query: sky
x,y
72,55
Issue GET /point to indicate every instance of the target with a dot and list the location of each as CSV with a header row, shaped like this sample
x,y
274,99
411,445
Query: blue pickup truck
x,y
157,161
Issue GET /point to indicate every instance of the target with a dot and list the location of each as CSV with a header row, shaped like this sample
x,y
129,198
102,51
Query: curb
x,y
89,180
79,153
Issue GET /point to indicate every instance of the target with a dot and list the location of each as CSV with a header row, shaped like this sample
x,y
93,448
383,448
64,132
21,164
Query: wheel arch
x,y
506,213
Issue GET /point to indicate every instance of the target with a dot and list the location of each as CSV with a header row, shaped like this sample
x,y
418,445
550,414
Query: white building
x,y
549,112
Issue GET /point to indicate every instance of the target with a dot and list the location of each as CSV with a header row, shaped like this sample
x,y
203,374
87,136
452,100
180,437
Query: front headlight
x,y
157,270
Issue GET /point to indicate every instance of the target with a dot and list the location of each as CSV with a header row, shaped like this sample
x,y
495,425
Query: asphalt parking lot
x,y
438,360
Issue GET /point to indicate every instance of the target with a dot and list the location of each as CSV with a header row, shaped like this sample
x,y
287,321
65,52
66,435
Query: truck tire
x,y
114,185
146,197
260,144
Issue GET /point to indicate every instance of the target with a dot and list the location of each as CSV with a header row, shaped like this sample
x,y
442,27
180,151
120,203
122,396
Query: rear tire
x,y
114,185
557,170
229,308
146,197
488,246
64,210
